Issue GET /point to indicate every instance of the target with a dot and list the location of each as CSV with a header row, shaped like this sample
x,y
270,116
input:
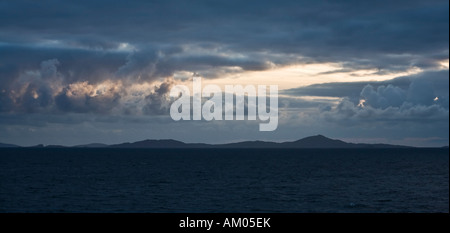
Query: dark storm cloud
x,y
158,103
348,113
151,64
421,99
85,103
360,33
210,37
352,31
85,35
437,80
30,92
75,64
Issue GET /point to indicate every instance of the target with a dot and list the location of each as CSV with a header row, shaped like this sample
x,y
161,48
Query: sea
x,y
83,180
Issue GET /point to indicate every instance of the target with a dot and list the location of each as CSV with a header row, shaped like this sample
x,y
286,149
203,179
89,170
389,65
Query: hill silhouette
x,y
4,145
318,141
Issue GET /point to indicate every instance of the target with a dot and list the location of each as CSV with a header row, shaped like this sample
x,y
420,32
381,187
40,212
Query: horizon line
x,y
214,144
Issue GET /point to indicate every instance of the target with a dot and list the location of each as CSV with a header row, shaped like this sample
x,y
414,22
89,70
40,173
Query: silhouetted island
x,y
3,145
318,141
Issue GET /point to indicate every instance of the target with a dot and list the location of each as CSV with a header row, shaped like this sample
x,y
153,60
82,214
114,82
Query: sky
x,y
77,72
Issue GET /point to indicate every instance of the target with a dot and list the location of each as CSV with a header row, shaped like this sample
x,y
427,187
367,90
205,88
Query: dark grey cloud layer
x,y
438,81
387,35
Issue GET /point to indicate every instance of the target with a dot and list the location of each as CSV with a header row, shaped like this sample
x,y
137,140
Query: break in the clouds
x,y
355,66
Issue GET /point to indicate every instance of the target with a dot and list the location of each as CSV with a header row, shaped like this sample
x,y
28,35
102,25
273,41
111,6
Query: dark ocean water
x,y
224,180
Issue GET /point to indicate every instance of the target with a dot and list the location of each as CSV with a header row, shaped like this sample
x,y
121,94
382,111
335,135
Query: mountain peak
x,y
318,141
318,136
152,143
